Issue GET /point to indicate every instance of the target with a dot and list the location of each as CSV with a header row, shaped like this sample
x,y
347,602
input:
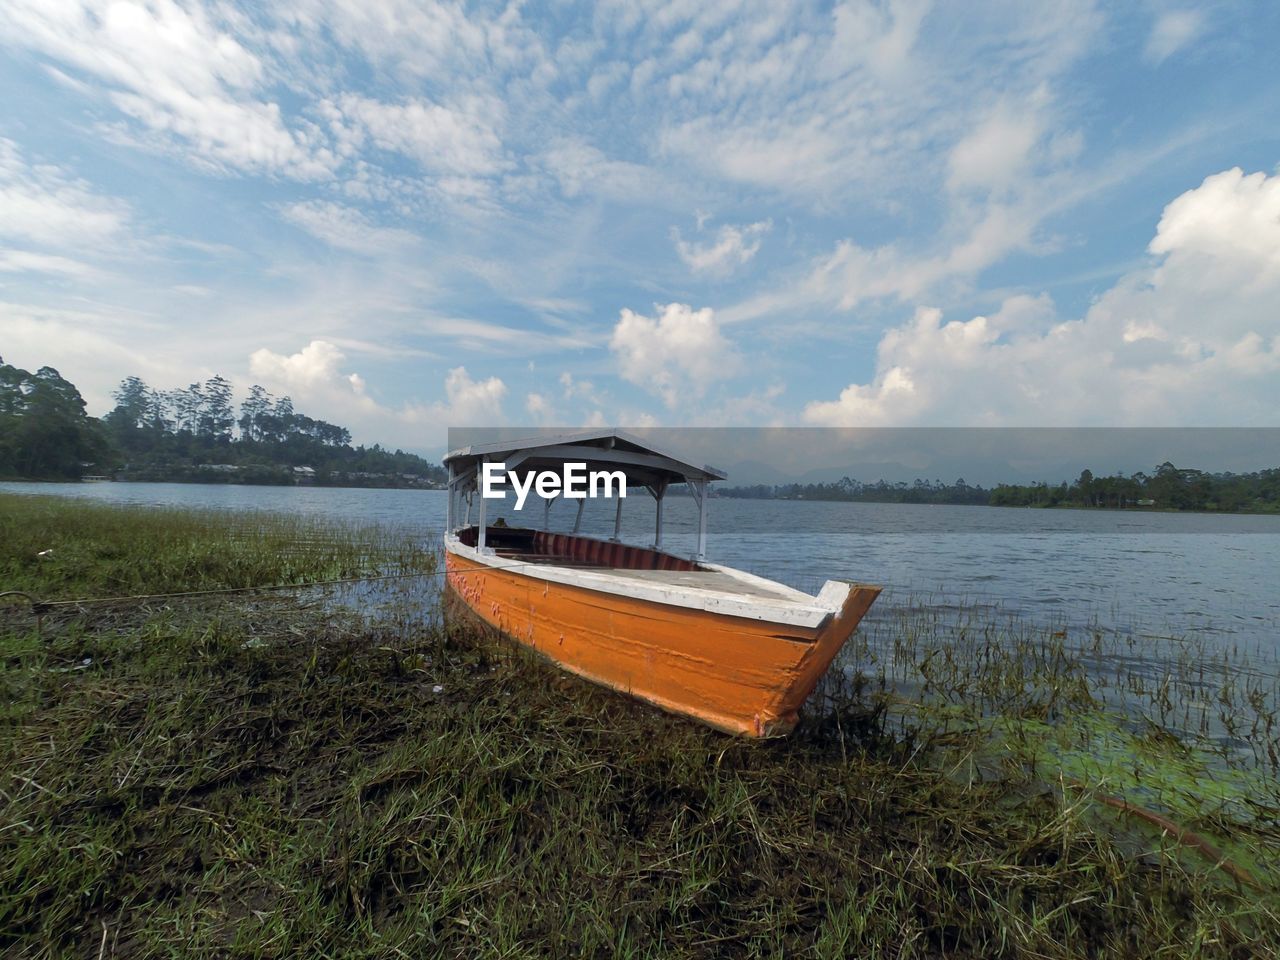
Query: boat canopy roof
x,y
607,449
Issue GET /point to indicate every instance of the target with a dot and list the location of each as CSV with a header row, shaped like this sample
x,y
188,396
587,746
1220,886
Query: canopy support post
x,y
483,528
546,513
577,521
448,503
657,490
699,490
617,521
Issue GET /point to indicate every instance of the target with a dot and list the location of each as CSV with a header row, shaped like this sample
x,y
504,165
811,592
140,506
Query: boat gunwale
x,y
797,610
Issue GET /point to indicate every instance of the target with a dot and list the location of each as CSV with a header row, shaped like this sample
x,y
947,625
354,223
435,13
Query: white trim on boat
x,y
774,603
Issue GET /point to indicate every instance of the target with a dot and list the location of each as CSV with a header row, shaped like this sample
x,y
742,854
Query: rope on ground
x,y
36,605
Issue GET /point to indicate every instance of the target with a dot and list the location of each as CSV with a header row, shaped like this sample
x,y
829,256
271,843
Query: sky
x,y
415,215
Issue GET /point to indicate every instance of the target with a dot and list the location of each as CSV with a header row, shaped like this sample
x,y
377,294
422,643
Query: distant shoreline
x,y
1008,506
53,482
1168,489
1267,510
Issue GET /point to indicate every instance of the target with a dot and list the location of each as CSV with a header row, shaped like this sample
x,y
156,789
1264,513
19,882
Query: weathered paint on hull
x,y
738,675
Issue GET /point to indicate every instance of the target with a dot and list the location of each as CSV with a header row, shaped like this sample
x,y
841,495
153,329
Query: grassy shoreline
x,y
279,776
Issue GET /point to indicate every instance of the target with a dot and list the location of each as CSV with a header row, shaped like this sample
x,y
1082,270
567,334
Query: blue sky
x,y
408,215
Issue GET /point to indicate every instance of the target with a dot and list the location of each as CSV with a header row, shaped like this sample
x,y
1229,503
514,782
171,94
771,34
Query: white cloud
x,y
312,372
996,152
584,390
859,106
1006,173
47,206
314,377
425,38
177,70
24,261
473,401
579,168
853,274
881,37
907,358
1231,219
259,90
733,247
792,155
1191,339
486,337
347,228
460,140
676,354
539,408
467,403
94,350
1171,32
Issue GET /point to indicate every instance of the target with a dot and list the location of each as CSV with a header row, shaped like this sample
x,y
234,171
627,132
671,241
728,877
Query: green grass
x,y
56,549
1169,725
273,777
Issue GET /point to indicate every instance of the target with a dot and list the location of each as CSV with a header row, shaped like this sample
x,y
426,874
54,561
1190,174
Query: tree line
x,y
191,433
44,430
854,491
196,433
1167,487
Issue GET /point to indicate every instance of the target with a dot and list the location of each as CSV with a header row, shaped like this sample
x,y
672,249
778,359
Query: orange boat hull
x,y
739,675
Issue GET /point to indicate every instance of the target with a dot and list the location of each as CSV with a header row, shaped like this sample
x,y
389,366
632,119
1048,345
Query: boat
x,y
730,649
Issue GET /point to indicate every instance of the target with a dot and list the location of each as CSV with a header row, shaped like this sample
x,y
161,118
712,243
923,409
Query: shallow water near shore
x,y
1147,575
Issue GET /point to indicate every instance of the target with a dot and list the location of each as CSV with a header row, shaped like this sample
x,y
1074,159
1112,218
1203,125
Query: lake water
x,y
1213,578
